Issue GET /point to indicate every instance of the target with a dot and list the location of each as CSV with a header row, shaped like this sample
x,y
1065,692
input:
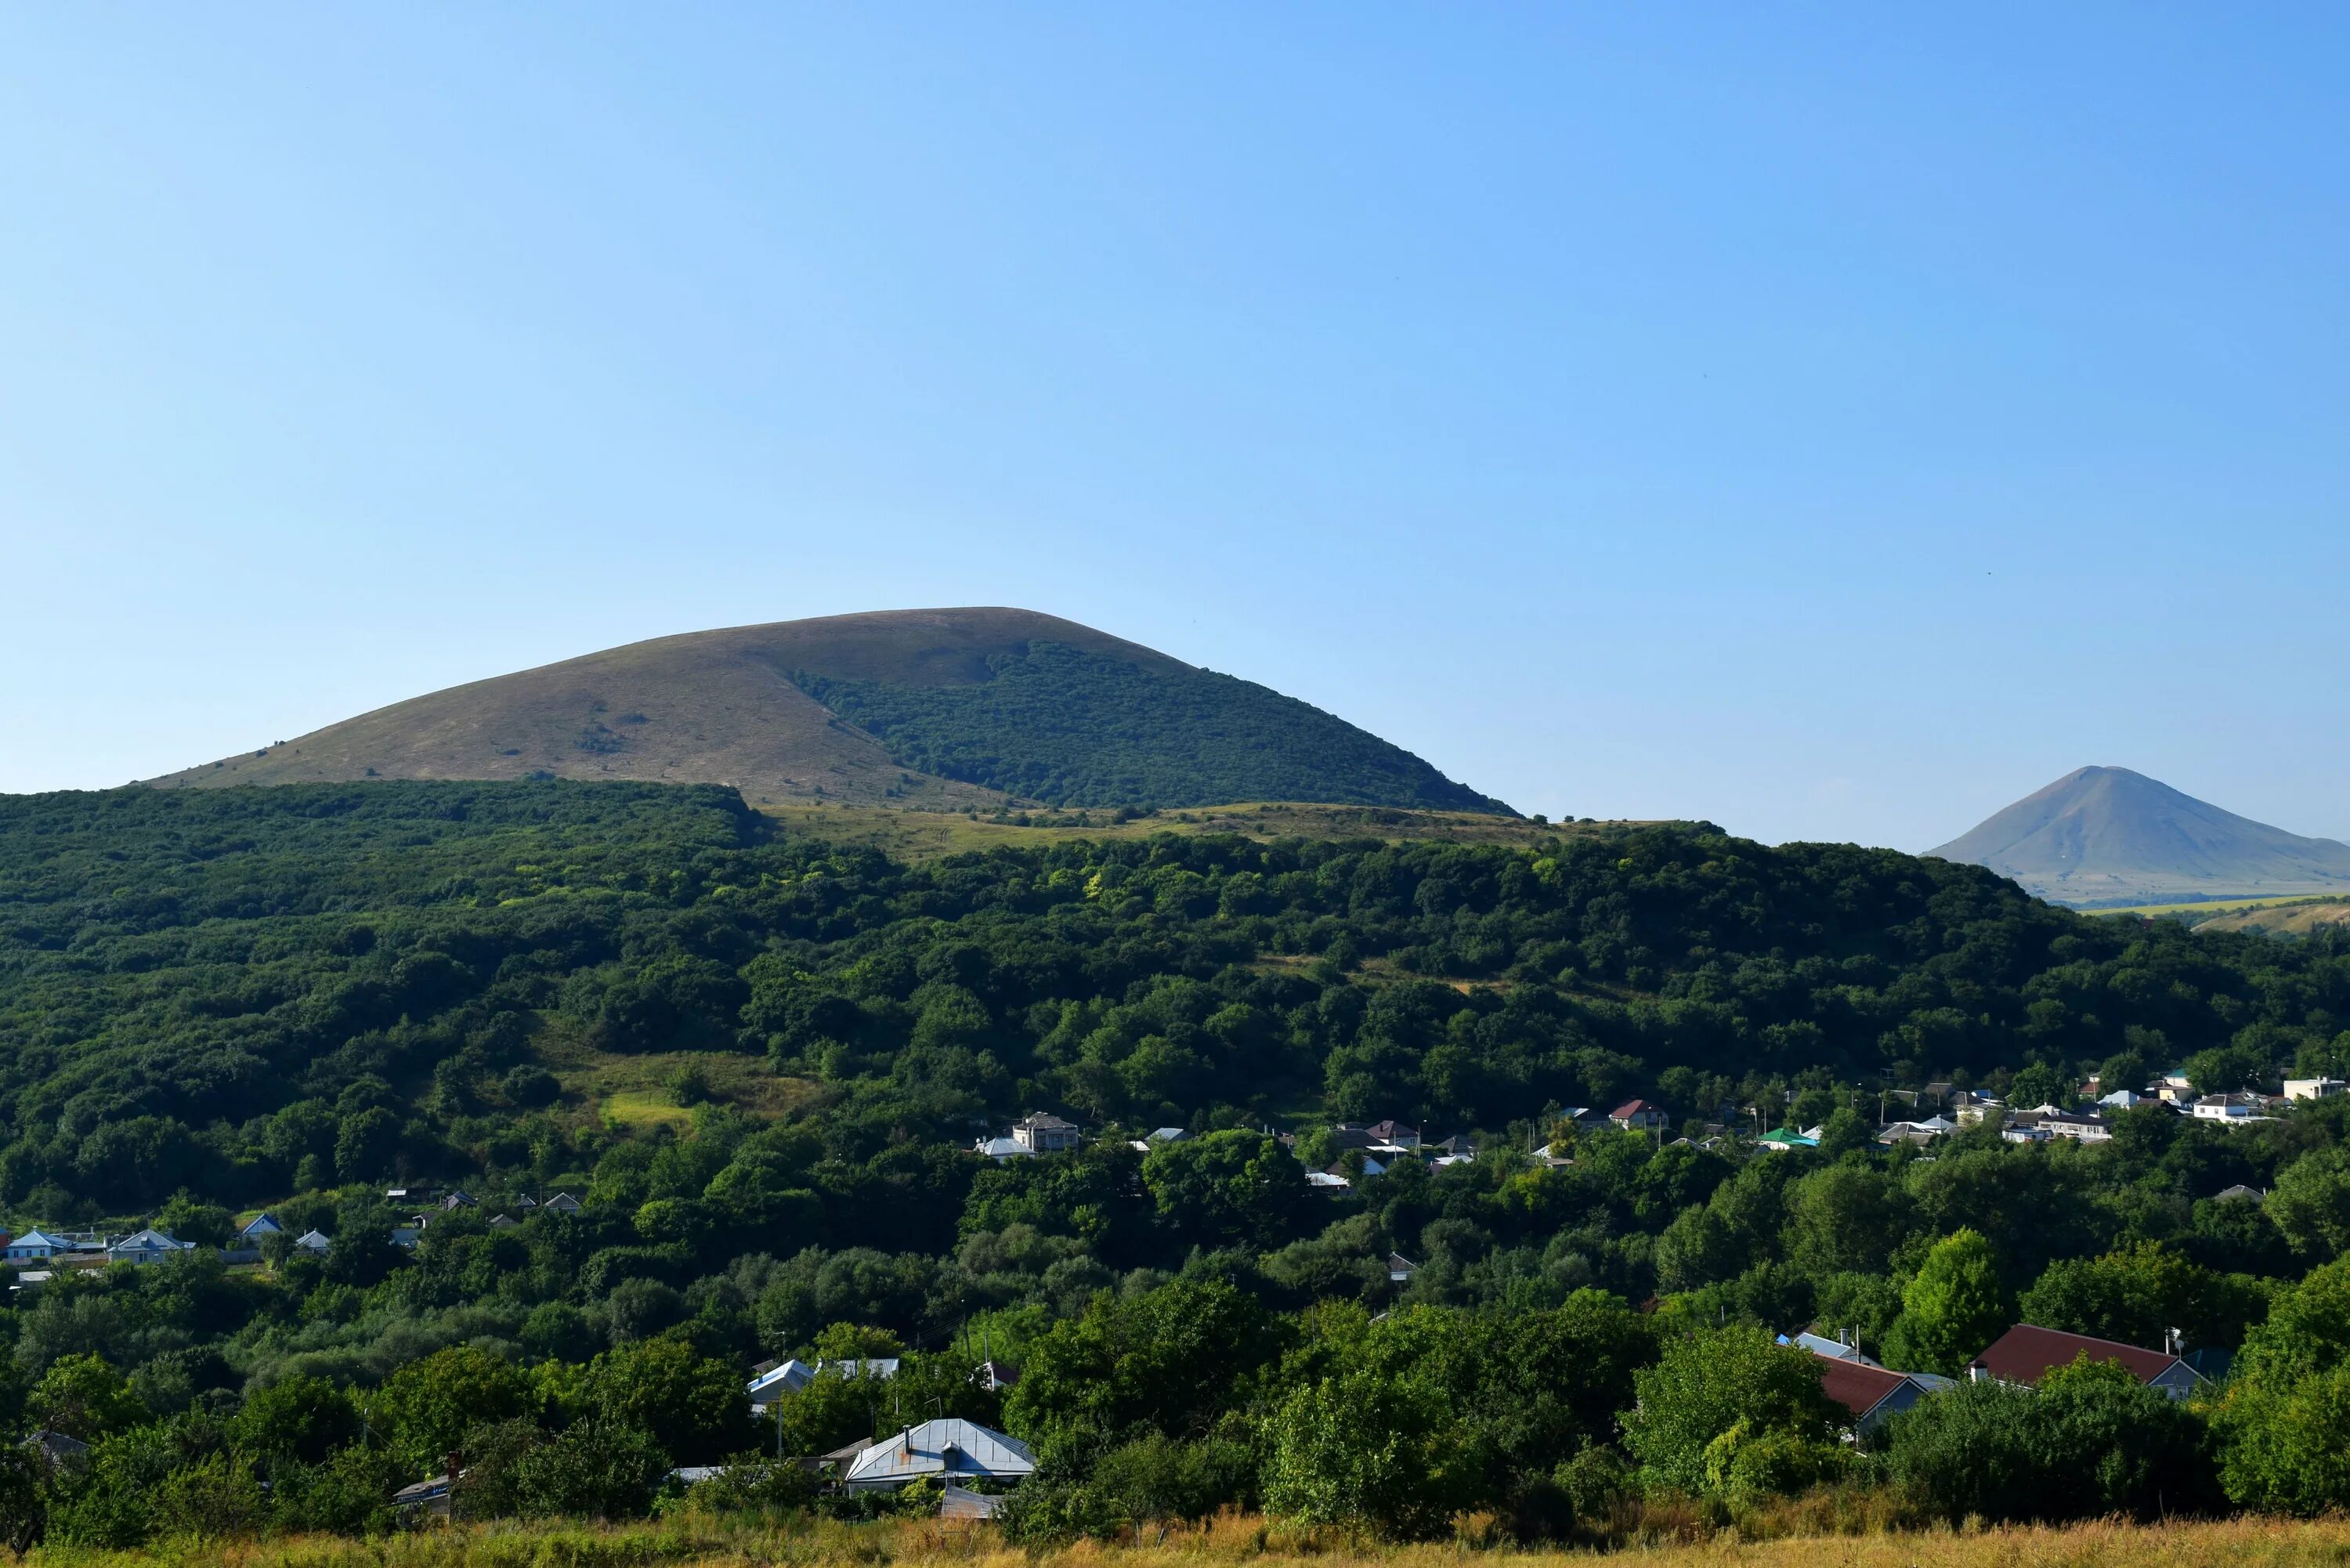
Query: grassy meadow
x,y
927,835
1229,1543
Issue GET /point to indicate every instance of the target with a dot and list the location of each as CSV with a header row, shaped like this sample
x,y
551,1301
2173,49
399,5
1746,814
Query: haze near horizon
x,y
1831,426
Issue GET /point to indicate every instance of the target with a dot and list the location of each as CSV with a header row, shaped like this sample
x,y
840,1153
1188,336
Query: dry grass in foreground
x,y
1234,1542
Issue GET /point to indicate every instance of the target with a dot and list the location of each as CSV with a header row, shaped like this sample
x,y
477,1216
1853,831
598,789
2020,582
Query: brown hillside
x,y
712,707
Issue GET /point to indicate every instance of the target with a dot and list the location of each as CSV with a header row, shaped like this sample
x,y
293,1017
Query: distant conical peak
x,y
2111,836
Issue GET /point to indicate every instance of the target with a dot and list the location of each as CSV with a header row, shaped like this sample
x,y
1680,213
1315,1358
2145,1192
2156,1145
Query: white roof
x,y
312,1240
947,1447
796,1374
1325,1179
150,1240
1002,1147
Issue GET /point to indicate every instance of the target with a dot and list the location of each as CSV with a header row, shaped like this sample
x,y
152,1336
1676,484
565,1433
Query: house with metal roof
x,y
952,1449
1873,1395
37,1247
313,1242
148,1246
791,1376
2026,1354
258,1227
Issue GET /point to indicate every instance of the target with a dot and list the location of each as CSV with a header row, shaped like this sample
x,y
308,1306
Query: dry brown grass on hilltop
x,y
1232,1542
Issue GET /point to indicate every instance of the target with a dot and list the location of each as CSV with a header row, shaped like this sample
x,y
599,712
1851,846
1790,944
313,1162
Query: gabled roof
x,y
949,1447
38,1238
150,1239
2027,1353
313,1240
1630,1108
1858,1387
262,1225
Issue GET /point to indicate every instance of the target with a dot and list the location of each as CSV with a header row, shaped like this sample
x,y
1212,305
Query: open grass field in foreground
x,y
1229,1543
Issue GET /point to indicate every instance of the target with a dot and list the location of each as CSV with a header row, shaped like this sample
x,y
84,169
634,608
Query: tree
x,y
2090,1440
301,1419
426,1407
2137,1295
1172,1359
2310,1204
24,1499
692,1405
1955,1307
1368,1450
1715,1379
2224,1069
84,1397
1227,1187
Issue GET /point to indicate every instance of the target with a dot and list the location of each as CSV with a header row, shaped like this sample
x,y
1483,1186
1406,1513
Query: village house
x,y
1872,1394
2239,1109
1042,1132
1639,1115
952,1449
148,1246
2313,1088
2026,1354
258,1227
35,1246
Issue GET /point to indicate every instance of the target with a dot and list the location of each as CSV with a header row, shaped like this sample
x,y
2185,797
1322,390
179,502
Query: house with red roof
x,y
1874,1394
2026,1354
1639,1115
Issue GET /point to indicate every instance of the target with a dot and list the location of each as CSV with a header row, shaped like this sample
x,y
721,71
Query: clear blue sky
x,y
1833,421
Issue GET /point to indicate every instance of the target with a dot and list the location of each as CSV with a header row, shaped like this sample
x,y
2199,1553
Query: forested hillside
x,y
1068,726
213,1001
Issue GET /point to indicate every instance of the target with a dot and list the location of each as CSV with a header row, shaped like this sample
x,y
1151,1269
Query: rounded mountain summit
x,y
939,707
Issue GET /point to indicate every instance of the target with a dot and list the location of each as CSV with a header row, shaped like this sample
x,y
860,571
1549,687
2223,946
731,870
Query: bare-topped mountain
x,y
939,707
2111,837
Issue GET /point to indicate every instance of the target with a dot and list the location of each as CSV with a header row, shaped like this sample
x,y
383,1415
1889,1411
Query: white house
x,y
2313,1088
795,1375
1000,1150
36,1247
953,1449
1042,1132
313,1242
562,1203
258,1227
2237,1108
148,1246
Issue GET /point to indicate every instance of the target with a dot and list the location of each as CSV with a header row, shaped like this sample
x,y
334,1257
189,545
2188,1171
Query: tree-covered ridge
x,y
1068,727
219,1000
208,990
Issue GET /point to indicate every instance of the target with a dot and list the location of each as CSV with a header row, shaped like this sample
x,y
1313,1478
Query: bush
x,y
2090,1442
1716,1382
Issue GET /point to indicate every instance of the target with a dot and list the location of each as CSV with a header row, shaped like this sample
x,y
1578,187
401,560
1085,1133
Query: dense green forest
x,y
1058,725
216,1001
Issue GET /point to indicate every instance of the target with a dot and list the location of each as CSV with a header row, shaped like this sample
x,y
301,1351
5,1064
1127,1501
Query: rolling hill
x,y
2110,837
947,709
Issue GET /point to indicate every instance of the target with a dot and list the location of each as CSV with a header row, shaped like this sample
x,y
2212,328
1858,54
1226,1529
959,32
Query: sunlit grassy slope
x,y
920,835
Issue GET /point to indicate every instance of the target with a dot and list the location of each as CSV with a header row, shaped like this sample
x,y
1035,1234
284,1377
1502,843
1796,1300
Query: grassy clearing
x,y
634,1090
1230,1542
2222,906
924,834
